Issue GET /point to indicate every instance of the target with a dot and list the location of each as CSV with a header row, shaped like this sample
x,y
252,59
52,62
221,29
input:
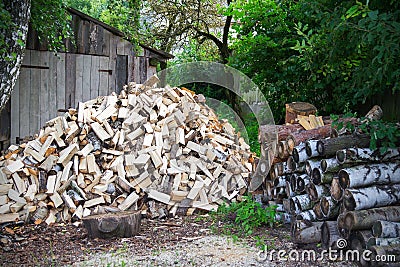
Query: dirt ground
x,y
184,241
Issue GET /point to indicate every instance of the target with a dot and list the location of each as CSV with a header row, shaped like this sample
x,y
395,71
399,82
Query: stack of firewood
x,y
160,150
334,187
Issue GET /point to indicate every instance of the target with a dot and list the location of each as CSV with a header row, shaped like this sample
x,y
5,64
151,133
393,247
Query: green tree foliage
x,y
329,53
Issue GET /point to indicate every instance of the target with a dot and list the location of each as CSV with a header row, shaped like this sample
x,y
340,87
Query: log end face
x,y
344,179
316,176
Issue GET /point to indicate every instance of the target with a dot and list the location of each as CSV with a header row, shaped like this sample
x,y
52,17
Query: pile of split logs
x,y
159,150
332,187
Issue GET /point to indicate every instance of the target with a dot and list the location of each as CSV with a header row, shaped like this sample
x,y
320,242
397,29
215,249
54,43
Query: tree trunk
x,y
308,235
121,224
319,178
336,190
295,139
329,207
359,176
386,229
358,239
328,147
293,182
11,58
329,234
381,241
371,197
365,155
299,153
311,148
364,219
385,251
317,191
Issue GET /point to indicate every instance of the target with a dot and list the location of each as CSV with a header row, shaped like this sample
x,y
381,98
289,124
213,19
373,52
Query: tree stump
x,y
120,224
298,108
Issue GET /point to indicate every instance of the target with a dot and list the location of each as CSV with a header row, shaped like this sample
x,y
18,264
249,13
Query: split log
x,y
336,190
364,219
296,138
328,147
358,239
365,155
317,191
318,177
371,197
311,148
359,176
381,241
299,153
121,224
329,234
386,229
308,235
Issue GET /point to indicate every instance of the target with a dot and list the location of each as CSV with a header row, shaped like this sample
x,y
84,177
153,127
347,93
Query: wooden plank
x,y
112,64
103,76
86,86
52,86
79,79
121,72
24,96
70,80
94,77
14,131
44,100
34,111
60,76
143,69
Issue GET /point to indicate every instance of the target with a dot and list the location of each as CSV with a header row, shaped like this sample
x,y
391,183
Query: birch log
x,y
343,231
363,155
299,153
371,197
307,215
329,234
329,207
364,219
296,138
310,165
301,183
358,239
386,229
336,190
317,191
328,147
317,211
308,235
360,176
381,241
319,177
311,148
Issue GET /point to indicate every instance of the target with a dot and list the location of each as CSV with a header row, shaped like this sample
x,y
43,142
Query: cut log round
x,y
365,155
358,239
283,151
301,183
371,197
381,241
293,182
317,211
296,138
343,232
317,191
386,229
364,219
329,208
288,190
359,176
121,224
291,164
329,234
311,148
336,190
298,108
299,153
328,147
318,177
385,251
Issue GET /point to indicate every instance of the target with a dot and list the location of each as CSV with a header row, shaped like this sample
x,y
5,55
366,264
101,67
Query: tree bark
x,y
329,234
11,59
386,229
359,176
296,138
365,155
299,153
371,197
121,224
364,219
311,148
328,147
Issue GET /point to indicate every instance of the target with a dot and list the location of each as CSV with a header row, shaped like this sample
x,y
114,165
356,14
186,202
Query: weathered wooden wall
x,y
98,62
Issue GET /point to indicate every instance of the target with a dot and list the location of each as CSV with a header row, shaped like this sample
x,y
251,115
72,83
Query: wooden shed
x,y
98,62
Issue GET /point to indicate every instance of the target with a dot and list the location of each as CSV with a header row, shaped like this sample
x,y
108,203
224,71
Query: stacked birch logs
x,y
160,150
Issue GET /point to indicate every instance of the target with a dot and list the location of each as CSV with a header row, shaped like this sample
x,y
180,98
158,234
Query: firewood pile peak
x,y
159,150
